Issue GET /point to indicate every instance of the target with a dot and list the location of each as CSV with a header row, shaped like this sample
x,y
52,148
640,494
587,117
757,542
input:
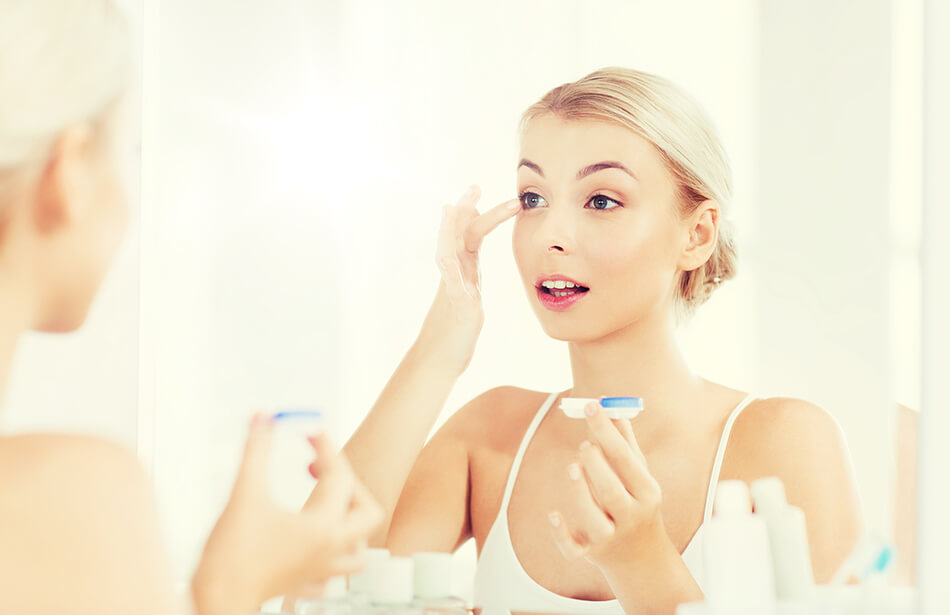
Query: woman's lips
x,y
568,297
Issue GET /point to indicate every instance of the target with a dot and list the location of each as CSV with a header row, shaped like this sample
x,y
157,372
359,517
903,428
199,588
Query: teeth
x,y
558,284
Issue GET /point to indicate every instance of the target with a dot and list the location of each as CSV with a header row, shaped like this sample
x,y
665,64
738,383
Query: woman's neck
x,y
641,360
13,322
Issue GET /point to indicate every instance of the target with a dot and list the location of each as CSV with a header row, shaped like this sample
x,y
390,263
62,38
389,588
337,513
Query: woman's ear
x,y
59,200
703,229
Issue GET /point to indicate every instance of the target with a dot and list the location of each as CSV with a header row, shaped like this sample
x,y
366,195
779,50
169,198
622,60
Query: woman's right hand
x,y
455,319
258,551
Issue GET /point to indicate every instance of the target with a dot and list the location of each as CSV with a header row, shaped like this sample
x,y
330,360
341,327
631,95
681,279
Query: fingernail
x,y
513,204
313,472
574,471
554,519
591,408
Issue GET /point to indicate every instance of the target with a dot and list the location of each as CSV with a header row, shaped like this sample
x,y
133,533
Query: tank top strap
x,y
516,464
720,454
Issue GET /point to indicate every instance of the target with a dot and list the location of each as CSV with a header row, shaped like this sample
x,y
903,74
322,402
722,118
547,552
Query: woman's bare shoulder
x,y
496,415
77,514
27,456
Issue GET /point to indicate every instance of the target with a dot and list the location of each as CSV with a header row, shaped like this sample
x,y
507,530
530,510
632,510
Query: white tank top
x,y
502,585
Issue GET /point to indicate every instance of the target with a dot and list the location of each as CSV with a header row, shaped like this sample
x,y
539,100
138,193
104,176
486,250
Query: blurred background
x,y
295,157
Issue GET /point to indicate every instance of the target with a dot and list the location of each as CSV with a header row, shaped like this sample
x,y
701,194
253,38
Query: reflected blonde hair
x,y
668,117
62,62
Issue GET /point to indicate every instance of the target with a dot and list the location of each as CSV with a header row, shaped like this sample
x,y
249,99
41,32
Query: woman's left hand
x,y
619,520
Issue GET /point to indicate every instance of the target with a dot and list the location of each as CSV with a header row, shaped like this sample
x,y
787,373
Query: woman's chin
x,y
568,331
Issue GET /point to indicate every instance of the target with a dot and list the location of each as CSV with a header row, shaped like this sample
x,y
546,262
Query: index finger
x,y
623,454
487,222
626,430
334,489
607,433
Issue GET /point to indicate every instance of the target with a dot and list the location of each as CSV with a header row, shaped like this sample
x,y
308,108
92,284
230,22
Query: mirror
x,y
296,158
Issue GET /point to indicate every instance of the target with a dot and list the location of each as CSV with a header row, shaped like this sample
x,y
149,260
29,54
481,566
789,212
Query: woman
x,y
78,527
620,232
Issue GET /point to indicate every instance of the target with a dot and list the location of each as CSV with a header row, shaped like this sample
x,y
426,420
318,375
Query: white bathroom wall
x,y
823,246
245,310
935,420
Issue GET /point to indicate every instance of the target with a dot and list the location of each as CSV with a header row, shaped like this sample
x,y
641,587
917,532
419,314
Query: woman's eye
x,y
531,200
600,201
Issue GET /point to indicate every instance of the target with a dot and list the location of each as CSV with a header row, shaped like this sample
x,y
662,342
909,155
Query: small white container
x,y
432,575
333,602
614,407
392,589
432,579
362,583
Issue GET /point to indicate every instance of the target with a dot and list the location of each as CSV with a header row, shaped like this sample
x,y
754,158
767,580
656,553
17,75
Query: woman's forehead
x,y
560,146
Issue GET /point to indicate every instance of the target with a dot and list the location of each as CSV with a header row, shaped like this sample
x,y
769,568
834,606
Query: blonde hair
x,y
62,62
677,126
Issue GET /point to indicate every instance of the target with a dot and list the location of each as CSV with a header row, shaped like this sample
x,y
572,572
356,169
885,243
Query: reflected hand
x,y
620,515
456,317
258,550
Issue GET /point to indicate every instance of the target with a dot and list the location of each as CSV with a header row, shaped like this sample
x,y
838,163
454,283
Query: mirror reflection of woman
x,y
79,530
624,193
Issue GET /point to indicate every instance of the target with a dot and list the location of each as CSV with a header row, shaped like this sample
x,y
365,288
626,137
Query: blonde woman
x,y
78,526
620,232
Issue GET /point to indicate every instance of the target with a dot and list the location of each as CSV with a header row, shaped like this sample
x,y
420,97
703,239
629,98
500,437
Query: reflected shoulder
x,y
803,445
790,438
775,424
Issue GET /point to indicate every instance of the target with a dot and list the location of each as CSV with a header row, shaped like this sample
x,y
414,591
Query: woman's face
x,y
74,254
599,209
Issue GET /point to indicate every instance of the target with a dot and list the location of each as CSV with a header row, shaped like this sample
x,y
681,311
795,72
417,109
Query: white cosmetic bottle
x,y
362,583
393,588
333,602
432,578
788,539
738,563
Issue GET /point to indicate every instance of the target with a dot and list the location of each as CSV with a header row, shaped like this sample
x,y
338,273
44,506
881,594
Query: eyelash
x,y
521,197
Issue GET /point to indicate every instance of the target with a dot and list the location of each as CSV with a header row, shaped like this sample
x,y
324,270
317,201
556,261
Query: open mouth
x,y
559,293
561,288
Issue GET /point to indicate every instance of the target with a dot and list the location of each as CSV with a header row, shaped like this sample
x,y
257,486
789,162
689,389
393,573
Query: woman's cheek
x,y
519,237
634,265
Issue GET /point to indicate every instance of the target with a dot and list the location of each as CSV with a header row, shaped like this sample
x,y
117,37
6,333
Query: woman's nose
x,y
557,231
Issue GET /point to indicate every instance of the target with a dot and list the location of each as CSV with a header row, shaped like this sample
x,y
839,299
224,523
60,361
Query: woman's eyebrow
x,y
527,163
588,170
600,166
